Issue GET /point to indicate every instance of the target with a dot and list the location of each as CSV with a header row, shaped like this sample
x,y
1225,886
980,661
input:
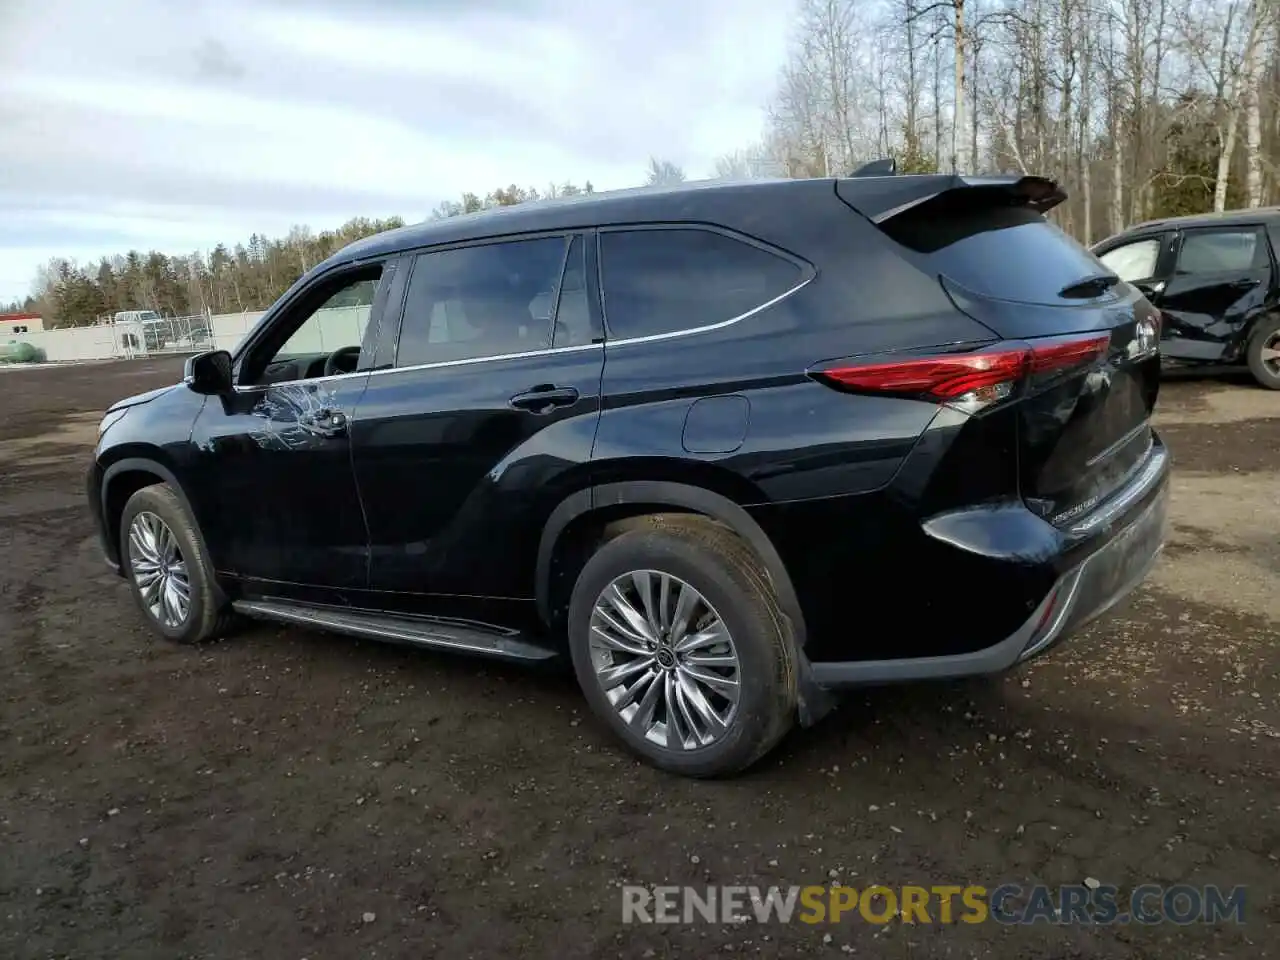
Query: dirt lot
x,y
264,796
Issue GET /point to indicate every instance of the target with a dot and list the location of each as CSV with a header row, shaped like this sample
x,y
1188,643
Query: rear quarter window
x,y
666,280
1010,253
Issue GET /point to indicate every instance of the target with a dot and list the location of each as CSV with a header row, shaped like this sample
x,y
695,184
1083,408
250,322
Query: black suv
x,y
1213,277
728,446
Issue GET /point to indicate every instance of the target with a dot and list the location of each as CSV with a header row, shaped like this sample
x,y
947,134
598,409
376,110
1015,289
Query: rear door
x,y
1083,424
483,423
1220,281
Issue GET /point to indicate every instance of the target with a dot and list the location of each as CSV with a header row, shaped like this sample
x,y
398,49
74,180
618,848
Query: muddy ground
x,y
263,797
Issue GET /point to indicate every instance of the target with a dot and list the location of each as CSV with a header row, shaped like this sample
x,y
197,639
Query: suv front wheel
x,y
168,568
679,646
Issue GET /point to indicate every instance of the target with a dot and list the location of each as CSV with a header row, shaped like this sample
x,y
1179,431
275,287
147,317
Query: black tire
x,y
721,567
209,614
1265,335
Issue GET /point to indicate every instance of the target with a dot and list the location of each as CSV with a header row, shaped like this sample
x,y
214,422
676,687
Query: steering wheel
x,y
335,362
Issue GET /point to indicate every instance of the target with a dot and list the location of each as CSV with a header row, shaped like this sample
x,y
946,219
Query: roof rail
x,y
884,167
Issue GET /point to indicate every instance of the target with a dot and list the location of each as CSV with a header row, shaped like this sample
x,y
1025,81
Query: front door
x,y
1142,262
274,484
1220,281
485,423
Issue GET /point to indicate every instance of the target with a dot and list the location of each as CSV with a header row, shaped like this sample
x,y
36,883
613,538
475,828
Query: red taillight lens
x,y
942,378
1063,354
969,381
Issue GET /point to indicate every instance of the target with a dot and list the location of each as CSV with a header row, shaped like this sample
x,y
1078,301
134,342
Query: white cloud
x,y
180,125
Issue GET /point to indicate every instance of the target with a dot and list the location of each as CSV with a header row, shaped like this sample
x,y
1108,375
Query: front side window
x,y
1220,251
484,301
1134,261
665,280
339,321
320,334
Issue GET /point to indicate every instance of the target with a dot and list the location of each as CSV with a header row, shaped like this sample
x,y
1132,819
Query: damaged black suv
x,y
727,447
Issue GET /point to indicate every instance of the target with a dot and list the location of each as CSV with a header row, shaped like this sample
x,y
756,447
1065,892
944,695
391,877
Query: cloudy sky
x,y
177,124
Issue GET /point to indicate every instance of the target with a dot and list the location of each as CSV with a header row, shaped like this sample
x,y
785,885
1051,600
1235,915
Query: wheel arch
x,y
121,480
590,510
1256,322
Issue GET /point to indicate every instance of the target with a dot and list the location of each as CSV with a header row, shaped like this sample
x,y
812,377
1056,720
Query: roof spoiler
x,y
882,200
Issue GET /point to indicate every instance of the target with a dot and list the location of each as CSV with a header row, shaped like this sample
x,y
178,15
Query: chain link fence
x,y
160,335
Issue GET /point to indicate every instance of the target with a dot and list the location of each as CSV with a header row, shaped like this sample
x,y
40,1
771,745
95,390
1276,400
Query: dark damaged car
x,y
1214,279
727,448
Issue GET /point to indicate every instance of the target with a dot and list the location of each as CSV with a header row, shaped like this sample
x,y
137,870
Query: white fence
x,y
73,343
325,332
230,328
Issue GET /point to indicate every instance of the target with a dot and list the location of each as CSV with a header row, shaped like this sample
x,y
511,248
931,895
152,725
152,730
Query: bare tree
x,y
663,173
1265,20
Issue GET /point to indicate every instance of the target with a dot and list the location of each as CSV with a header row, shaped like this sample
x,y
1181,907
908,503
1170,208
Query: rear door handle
x,y
545,398
325,423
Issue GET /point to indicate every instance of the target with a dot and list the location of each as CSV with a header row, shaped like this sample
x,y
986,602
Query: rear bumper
x,y
1128,531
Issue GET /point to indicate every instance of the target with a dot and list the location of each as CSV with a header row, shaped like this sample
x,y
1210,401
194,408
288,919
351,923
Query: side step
x,y
459,635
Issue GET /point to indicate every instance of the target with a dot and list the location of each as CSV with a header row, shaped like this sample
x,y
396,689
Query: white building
x,y
16,324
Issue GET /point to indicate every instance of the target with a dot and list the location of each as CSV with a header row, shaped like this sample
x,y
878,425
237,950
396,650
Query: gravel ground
x,y
284,794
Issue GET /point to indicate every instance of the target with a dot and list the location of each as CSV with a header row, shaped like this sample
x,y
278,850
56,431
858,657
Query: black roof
x,y
737,204
1226,217
683,202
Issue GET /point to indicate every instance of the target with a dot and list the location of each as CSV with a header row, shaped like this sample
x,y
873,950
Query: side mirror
x,y
208,373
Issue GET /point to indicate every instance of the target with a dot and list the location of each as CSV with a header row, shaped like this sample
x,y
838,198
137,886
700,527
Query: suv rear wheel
x,y
678,645
168,568
1264,353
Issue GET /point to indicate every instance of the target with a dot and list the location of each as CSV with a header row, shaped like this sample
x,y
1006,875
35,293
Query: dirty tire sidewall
x,y
721,569
1267,329
206,616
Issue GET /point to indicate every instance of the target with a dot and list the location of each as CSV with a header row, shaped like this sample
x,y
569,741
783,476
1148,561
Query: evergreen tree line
x,y
247,276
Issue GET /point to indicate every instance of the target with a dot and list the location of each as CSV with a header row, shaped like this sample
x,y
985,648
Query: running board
x,y
438,633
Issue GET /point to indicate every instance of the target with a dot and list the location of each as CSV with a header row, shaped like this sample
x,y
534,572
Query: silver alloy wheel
x,y
665,660
1271,354
159,569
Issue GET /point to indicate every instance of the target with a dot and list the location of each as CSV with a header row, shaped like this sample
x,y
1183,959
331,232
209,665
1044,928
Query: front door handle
x,y
325,423
543,399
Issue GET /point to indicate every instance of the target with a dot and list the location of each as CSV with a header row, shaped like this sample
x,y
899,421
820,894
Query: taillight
x,y
1066,353
967,381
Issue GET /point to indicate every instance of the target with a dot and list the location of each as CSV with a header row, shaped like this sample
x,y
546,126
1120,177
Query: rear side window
x,y
484,301
1010,253
1221,251
1134,261
667,280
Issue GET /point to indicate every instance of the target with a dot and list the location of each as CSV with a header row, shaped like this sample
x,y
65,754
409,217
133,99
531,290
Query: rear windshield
x,y
1012,253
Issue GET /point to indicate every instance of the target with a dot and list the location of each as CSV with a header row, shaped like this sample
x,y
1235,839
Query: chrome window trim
x,y
808,273
439,364
626,341
673,334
